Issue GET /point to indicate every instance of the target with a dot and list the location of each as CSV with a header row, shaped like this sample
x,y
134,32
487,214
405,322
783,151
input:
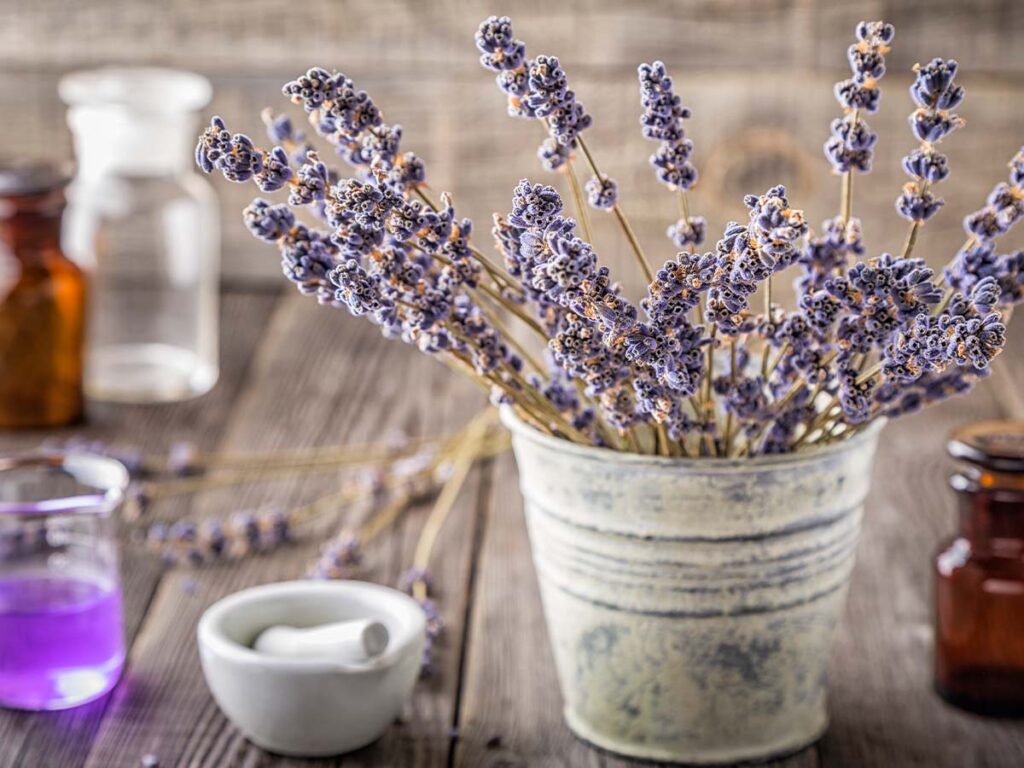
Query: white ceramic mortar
x,y
310,707
691,604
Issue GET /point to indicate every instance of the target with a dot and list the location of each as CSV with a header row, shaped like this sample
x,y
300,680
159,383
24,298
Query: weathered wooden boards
x,y
63,739
318,378
299,375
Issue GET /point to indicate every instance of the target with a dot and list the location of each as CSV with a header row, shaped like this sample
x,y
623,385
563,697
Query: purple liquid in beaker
x,y
61,642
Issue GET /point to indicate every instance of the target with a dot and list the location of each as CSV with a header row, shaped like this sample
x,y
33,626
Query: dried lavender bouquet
x,y
694,369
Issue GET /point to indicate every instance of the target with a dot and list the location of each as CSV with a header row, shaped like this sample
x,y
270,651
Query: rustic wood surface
x,y
296,375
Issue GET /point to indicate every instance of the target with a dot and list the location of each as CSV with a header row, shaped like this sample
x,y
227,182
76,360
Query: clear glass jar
x,y
42,303
61,628
145,226
979,575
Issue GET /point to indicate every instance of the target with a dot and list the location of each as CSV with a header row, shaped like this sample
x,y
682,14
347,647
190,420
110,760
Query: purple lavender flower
x,y
214,144
935,94
746,397
534,205
499,48
579,350
678,286
235,156
1004,208
307,258
827,254
268,221
662,121
311,182
661,406
850,145
821,310
687,232
339,558
799,411
977,340
749,254
775,226
312,89
663,112
276,172
408,267
867,62
435,624
502,53
917,350
569,262
350,121
602,194
351,111
553,155
536,88
619,408
360,293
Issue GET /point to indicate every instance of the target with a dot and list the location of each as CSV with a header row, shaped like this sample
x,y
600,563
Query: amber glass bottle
x,y
42,303
979,575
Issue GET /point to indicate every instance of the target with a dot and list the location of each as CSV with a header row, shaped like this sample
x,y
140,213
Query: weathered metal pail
x,y
692,603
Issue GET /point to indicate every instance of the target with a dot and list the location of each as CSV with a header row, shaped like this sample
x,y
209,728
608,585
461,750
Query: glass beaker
x,y
145,226
61,627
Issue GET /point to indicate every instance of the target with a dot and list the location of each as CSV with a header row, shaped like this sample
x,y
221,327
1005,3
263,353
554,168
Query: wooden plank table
x,y
297,375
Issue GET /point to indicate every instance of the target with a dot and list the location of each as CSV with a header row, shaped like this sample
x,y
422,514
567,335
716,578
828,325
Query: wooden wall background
x,y
757,74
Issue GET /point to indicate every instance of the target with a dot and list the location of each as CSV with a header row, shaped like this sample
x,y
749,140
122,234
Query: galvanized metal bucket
x,y
691,604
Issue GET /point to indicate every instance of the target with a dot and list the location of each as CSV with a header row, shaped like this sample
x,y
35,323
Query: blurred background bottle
x,y
145,227
42,303
979,575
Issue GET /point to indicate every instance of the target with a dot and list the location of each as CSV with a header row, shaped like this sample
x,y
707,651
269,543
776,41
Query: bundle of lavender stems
x,y
706,364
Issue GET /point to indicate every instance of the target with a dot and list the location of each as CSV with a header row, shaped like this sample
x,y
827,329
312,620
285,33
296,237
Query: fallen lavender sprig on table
x,y
706,363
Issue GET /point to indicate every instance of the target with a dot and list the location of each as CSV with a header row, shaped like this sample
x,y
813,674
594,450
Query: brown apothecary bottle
x,y
42,303
979,575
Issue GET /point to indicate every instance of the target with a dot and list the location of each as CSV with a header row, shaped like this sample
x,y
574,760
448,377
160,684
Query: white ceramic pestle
x,y
344,641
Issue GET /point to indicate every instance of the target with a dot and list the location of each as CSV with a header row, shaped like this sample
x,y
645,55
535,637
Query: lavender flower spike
x,y
935,94
662,121
852,140
1005,206
538,88
502,53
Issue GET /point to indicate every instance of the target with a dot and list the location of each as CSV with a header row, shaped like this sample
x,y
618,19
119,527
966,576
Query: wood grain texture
x,y
320,378
62,739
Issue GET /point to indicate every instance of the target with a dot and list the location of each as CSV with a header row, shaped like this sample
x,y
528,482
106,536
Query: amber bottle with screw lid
x,y
42,302
979,575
